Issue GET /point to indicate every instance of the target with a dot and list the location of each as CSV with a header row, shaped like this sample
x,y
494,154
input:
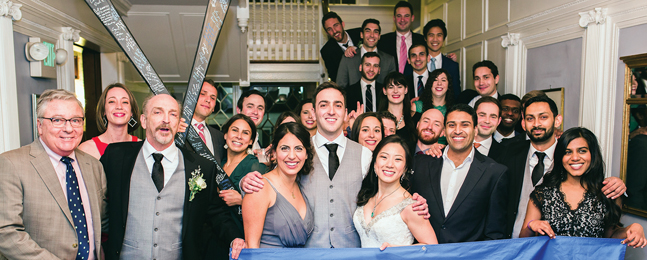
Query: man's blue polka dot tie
x,y
76,209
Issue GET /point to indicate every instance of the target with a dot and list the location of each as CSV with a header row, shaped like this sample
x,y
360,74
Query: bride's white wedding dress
x,y
387,226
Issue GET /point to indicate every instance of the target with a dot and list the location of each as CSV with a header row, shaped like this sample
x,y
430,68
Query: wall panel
x,y
453,21
497,13
473,19
495,53
473,54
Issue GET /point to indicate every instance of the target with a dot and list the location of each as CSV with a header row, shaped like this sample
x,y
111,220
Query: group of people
x,y
393,155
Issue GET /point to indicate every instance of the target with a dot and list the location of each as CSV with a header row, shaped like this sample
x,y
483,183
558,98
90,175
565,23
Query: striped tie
x,y
201,131
403,54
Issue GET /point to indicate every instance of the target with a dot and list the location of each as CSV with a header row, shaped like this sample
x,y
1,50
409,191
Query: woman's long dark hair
x,y
369,184
303,135
396,78
427,97
354,132
591,179
284,116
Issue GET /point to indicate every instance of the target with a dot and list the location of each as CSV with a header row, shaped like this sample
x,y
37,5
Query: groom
x,y
152,212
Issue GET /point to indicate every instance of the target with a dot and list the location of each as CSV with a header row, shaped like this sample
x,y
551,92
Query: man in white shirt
x,y
435,33
529,160
466,190
486,78
488,114
418,59
213,138
367,91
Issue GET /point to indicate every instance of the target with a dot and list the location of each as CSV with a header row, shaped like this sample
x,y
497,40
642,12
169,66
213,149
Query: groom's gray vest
x,y
154,224
335,200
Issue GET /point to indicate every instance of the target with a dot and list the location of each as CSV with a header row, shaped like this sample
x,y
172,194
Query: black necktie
x,y
345,45
333,159
75,204
421,87
368,105
158,171
538,171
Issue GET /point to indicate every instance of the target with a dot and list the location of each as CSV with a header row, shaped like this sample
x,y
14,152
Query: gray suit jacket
x,y
35,221
349,69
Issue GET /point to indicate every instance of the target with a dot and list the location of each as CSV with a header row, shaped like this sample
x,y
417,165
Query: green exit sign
x,y
50,61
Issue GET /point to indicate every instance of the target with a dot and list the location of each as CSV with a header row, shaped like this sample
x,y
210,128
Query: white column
x,y
122,59
9,132
65,72
599,64
515,64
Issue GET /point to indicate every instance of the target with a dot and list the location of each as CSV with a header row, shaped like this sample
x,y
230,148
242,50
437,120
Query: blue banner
x,y
522,248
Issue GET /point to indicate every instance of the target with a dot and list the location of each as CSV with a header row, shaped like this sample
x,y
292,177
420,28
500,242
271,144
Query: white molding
x,y
65,72
44,21
10,9
515,64
284,72
9,130
122,6
548,14
598,74
243,17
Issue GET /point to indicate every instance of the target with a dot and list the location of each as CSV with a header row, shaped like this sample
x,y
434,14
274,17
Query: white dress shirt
x,y
499,137
452,178
350,42
363,51
425,77
319,143
373,90
169,162
527,187
484,149
473,101
207,134
60,168
408,39
438,63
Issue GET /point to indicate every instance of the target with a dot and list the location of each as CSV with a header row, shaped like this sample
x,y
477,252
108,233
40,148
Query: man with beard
x,y
529,160
348,74
338,41
366,91
510,117
489,117
466,190
152,212
429,129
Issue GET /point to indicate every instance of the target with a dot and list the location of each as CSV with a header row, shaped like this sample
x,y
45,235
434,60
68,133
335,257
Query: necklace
x,y
397,126
378,203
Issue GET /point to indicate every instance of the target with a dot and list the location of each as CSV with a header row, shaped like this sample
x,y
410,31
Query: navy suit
x,y
354,94
331,52
451,67
479,210
514,158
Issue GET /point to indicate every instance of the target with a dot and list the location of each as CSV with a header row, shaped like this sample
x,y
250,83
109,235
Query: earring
x,y
132,122
226,146
105,121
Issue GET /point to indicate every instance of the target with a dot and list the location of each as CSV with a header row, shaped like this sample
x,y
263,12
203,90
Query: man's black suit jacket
x,y
218,140
388,44
478,212
451,67
496,149
514,158
411,84
354,94
205,212
331,52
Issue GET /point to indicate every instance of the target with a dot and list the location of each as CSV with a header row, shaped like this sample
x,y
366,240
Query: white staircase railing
x,y
284,30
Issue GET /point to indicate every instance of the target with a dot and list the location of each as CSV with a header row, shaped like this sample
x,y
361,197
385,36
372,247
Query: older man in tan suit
x,y
52,194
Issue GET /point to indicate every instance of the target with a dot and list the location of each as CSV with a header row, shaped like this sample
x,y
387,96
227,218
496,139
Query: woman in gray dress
x,y
279,215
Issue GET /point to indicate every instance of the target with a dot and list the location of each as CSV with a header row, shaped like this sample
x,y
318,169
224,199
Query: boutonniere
x,y
196,183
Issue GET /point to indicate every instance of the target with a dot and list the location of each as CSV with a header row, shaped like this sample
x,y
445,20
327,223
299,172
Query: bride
x,y
384,216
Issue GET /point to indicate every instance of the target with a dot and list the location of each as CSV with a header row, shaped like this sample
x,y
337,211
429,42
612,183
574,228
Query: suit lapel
x,y
41,162
471,179
434,177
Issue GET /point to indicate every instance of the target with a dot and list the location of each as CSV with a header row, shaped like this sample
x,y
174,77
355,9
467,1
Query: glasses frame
x,y
51,119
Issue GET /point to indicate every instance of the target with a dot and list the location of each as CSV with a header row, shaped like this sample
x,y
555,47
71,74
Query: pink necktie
x,y
201,131
403,54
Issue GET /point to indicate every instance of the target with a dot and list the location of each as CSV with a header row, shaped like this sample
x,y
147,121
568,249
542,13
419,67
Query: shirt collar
x,y
320,140
424,74
406,35
550,152
440,56
363,51
467,161
487,143
54,155
170,153
364,83
194,122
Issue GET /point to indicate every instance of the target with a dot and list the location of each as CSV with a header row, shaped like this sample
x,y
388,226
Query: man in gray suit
x,y
53,195
348,72
213,138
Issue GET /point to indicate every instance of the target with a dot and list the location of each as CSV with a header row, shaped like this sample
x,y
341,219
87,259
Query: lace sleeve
x,y
537,197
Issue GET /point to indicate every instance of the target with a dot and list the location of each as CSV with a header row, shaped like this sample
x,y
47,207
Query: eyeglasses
x,y
60,122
